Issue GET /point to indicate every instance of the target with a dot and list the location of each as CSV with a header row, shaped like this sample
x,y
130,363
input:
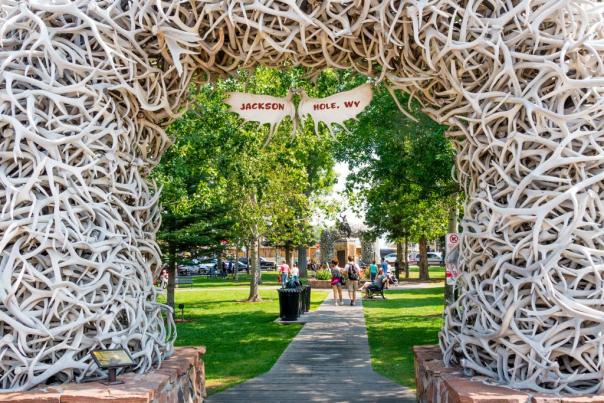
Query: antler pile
x,y
87,87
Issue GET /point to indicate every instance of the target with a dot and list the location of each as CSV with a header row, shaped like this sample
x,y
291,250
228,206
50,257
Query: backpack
x,y
352,272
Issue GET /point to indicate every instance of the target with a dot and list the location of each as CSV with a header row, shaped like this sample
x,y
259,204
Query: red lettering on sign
x,y
323,106
264,106
350,104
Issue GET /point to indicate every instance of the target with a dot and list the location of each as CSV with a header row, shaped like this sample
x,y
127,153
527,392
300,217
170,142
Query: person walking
x,y
164,278
283,272
385,267
353,272
373,270
295,274
336,282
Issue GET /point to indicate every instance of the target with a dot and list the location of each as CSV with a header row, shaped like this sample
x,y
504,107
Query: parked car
x,y
184,270
264,263
434,259
390,258
207,265
242,265
267,264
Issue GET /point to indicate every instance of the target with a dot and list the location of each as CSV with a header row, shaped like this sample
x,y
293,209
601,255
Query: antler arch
x,y
88,85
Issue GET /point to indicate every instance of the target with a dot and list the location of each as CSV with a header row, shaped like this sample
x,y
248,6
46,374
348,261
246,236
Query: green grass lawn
x,y
268,278
435,272
241,338
406,319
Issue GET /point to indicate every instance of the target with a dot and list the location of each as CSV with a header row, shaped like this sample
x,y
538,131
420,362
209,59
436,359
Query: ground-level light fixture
x,y
111,360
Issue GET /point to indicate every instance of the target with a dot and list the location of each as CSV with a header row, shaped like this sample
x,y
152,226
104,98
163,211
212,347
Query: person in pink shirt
x,y
284,272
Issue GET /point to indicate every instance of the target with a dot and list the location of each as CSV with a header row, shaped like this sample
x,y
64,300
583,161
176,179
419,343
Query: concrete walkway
x,y
328,361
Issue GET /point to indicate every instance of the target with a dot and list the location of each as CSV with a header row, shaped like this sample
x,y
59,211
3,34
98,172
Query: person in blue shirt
x,y
373,269
385,267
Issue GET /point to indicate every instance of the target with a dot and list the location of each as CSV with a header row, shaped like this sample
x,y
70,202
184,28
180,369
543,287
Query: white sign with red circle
x,y
452,241
451,258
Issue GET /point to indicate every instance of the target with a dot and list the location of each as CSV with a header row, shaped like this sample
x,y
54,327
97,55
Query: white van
x,y
434,259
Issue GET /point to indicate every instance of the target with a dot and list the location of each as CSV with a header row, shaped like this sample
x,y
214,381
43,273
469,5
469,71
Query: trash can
x,y
307,298
289,303
302,299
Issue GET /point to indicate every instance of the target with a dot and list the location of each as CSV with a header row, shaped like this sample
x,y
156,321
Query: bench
x,y
374,290
184,280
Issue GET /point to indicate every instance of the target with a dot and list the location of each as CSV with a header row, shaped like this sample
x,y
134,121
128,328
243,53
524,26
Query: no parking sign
x,y
452,258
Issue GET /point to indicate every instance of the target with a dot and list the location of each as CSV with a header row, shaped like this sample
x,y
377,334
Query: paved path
x,y
328,361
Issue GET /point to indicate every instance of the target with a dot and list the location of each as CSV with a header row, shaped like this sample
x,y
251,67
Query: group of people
x,y
374,271
350,275
288,275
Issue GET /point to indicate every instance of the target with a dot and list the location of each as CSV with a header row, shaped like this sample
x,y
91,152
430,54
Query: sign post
x,y
451,267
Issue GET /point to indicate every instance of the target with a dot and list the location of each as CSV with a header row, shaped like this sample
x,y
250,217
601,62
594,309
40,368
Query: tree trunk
x,y
453,213
247,257
171,276
236,274
220,265
288,254
254,270
302,260
399,259
406,257
423,259
259,272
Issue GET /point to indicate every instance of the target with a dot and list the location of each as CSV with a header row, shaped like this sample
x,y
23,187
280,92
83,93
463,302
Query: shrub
x,y
323,275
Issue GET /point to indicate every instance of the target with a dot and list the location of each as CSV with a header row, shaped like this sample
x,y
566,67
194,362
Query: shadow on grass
x,y
239,346
414,298
268,278
241,338
392,348
409,318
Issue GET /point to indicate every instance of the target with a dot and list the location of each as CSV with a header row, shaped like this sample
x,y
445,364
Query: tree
x,y
270,189
294,228
194,214
195,230
400,173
